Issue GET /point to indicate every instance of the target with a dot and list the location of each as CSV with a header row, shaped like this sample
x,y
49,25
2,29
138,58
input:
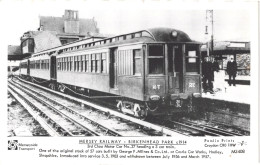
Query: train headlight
x,y
155,97
174,33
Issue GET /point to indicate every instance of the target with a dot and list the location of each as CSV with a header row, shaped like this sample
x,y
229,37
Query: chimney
x,y
71,22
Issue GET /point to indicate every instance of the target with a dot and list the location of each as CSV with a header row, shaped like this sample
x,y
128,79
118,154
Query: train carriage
x,y
145,70
24,68
40,68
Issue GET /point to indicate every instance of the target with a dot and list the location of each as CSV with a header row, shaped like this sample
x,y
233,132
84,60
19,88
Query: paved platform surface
x,y
238,93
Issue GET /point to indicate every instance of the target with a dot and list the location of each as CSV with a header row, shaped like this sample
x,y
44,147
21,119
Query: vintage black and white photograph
x,y
141,72
112,82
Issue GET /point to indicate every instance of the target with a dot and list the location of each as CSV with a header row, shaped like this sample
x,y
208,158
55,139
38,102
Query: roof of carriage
x,y
165,35
154,35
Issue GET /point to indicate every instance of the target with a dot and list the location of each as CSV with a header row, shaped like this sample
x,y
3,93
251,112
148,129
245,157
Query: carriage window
x,y
48,63
71,63
137,62
83,63
75,63
103,63
93,63
98,61
156,59
87,63
63,64
79,63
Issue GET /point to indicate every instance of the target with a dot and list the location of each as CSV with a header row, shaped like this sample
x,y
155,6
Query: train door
x,y
53,70
113,68
175,68
192,68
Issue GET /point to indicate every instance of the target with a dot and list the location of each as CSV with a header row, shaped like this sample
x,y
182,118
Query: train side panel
x,y
40,73
99,82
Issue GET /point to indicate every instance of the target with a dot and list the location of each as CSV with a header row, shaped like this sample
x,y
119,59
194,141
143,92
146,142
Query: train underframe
x,y
141,109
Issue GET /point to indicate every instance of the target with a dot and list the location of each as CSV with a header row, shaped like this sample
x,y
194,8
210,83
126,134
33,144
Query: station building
x,y
53,32
224,50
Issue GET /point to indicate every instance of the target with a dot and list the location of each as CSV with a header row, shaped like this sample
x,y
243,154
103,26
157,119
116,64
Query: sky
x,y
117,17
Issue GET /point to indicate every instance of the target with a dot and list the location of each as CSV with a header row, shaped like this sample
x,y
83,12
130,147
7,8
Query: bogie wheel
x,y
143,113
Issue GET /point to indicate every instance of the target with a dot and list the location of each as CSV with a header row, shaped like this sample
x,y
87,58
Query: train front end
x,y
173,76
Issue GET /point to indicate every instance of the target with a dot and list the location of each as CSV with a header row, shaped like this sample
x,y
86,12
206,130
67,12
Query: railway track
x,y
190,128
64,120
201,130
215,130
135,127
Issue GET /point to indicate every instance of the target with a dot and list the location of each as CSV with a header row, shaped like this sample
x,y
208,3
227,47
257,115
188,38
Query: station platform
x,y
239,93
242,80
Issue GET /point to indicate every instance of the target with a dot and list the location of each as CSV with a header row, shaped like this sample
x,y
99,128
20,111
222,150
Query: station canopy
x,y
15,53
227,48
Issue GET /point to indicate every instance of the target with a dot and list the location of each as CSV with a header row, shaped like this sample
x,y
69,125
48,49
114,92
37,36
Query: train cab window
x,y
137,63
192,60
103,62
155,59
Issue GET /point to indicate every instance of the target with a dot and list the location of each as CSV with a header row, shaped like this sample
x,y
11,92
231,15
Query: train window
x,y
103,63
192,62
62,66
87,63
61,62
113,40
155,59
70,63
93,66
121,38
129,36
79,63
83,64
75,63
38,64
42,62
137,63
98,63
65,63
